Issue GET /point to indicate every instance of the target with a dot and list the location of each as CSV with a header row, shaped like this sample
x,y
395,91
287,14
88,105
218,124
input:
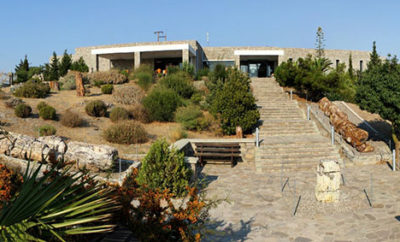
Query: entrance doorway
x,y
163,63
258,68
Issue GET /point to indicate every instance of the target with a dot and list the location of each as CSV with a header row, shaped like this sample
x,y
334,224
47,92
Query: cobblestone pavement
x,y
257,210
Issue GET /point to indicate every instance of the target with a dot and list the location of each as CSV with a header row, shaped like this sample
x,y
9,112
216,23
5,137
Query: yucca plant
x,y
54,206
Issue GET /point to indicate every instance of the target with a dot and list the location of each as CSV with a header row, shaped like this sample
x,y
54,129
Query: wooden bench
x,y
217,152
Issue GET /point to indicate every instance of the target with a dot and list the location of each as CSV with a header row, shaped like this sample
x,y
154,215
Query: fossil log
x,y
350,132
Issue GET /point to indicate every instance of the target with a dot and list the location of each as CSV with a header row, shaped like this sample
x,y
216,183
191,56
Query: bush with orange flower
x,y
154,216
9,183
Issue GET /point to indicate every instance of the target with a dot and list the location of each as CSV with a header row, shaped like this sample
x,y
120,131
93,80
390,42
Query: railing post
x,y
120,168
257,137
394,160
308,112
291,94
332,135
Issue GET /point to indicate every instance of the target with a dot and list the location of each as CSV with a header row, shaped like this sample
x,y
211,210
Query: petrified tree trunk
x,y
52,149
80,88
239,132
26,147
54,85
354,136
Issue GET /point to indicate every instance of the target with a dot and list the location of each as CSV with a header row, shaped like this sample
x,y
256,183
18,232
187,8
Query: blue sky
x,y
37,28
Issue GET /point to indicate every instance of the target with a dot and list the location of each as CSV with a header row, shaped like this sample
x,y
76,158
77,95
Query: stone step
x,y
295,156
289,167
283,127
292,132
280,111
281,124
299,149
292,160
318,140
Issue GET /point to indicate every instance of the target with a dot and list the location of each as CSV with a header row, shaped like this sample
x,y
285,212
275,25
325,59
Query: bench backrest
x,y
217,148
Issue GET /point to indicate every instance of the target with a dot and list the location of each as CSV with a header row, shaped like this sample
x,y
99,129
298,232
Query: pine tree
x,y
234,103
351,70
22,70
54,68
375,60
65,63
320,43
46,72
79,65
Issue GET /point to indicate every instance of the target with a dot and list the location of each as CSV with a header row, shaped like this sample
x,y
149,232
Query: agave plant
x,y
55,206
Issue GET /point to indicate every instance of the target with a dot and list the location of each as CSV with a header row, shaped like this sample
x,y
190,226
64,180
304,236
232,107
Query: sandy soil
x,y
91,132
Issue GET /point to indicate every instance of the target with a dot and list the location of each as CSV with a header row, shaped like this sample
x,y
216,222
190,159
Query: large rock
x,y
328,181
93,157
26,147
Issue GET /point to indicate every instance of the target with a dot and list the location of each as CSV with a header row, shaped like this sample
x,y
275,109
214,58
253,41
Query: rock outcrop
x,y
328,181
52,149
339,120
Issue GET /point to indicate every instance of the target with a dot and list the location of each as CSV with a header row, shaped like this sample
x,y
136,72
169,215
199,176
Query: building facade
x,y
257,61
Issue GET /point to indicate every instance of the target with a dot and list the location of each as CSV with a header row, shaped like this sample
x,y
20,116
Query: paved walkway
x,y
259,211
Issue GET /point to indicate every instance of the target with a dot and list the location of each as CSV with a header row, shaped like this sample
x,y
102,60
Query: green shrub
x,y
119,113
180,82
196,98
161,104
138,112
22,110
128,132
71,119
48,113
96,108
141,69
98,83
47,130
202,72
235,104
173,69
107,89
144,80
31,89
41,105
189,117
164,168
68,82
188,68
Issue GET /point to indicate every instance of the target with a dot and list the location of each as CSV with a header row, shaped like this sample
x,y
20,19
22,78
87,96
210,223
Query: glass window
x,y
212,64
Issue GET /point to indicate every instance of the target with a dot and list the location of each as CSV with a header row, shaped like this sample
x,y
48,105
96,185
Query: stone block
x,y
328,181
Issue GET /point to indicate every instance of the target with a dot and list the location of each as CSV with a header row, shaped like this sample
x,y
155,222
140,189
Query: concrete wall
x,y
227,53
223,54
105,64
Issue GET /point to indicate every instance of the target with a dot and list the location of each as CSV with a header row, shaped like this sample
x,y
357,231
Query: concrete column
x,y
97,62
237,61
137,59
185,56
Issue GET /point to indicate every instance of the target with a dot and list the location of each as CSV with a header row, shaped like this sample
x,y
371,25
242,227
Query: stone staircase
x,y
287,136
